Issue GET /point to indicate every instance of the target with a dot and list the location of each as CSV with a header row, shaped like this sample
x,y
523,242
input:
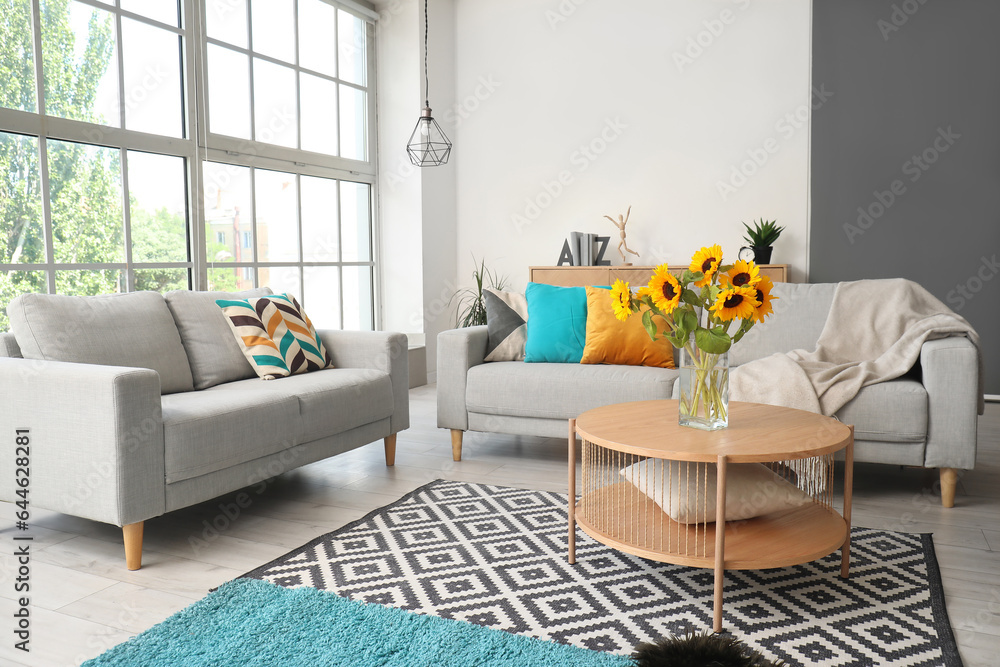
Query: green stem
x,y
706,386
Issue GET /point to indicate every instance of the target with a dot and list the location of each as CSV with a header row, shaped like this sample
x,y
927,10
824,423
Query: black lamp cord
x,y
427,83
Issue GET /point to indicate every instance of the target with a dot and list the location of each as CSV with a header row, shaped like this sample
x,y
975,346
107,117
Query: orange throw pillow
x,y
611,341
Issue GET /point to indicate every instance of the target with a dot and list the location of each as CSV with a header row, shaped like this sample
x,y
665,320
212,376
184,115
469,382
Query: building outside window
x,y
108,188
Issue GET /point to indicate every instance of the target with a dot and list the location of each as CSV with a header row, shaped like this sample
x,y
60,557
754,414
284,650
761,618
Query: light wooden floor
x,y
85,601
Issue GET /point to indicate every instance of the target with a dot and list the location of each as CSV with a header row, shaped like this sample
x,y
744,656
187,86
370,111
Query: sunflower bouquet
x,y
696,313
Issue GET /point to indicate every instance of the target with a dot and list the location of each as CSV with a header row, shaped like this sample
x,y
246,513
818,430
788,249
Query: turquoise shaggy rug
x,y
250,622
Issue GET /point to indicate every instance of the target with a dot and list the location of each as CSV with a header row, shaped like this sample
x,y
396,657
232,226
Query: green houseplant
x,y
471,307
761,238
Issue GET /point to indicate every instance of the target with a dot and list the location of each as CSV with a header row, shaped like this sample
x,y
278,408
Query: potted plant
x,y
471,307
761,238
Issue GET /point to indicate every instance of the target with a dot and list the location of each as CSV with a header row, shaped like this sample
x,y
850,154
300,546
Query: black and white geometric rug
x,y
496,556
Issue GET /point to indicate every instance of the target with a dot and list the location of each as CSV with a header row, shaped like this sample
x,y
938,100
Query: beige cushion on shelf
x,y
214,354
688,495
133,330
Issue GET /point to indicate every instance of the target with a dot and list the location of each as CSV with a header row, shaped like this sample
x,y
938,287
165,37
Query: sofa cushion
x,y
276,335
506,317
213,353
894,411
205,431
133,329
330,401
561,391
611,341
556,325
752,489
800,313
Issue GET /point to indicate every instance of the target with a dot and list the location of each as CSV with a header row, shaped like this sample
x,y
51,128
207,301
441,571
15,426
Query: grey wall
x,y
911,136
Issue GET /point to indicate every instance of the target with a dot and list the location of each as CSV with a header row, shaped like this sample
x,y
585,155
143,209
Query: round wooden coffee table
x,y
629,446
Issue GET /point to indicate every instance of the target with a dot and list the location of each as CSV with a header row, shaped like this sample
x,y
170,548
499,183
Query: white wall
x,y
597,92
417,206
399,88
619,102
440,189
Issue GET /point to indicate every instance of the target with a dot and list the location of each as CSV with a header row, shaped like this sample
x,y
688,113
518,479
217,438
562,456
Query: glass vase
x,y
704,388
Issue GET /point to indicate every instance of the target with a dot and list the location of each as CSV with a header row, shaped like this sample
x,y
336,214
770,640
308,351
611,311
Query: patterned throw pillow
x,y
276,335
506,315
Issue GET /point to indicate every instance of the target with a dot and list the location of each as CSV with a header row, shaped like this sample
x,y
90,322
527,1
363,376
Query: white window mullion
x,y
43,152
43,175
36,38
196,87
253,224
127,222
120,57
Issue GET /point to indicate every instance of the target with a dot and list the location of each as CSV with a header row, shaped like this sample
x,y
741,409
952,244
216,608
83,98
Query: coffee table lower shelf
x,y
775,540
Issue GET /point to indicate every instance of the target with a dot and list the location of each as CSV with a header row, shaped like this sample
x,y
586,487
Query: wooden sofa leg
x,y
456,444
949,480
133,545
390,449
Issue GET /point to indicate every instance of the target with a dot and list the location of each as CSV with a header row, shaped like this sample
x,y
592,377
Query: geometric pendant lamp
x,y
428,145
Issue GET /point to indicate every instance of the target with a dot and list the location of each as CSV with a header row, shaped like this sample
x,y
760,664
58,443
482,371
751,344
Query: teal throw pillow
x,y
557,323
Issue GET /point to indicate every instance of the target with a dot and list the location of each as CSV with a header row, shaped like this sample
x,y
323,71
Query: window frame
x,y
195,147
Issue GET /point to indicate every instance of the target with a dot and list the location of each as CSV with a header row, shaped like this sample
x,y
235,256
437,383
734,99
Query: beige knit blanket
x,y
873,333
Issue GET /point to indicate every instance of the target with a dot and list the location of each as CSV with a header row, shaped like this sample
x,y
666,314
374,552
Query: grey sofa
x,y
139,404
925,418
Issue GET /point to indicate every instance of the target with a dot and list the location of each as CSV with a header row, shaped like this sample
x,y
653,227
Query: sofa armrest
x,y
458,350
379,350
950,369
96,438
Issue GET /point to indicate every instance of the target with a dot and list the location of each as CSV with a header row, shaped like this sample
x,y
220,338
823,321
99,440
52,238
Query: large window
x,y
141,150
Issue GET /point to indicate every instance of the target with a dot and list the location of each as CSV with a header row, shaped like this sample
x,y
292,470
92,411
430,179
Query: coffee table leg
x,y
720,541
845,551
572,491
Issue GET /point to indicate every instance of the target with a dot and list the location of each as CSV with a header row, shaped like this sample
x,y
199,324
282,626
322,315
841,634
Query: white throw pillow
x,y
752,489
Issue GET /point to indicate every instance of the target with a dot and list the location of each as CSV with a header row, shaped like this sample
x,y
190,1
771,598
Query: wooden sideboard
x,y
636,276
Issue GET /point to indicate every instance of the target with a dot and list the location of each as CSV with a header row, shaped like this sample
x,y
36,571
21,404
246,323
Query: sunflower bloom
x,y
664,289
736,302
621,300
707,261
742,274
763,289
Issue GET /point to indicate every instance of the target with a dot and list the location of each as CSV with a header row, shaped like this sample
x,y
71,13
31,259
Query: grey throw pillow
x,y
133,329
506,324
214,354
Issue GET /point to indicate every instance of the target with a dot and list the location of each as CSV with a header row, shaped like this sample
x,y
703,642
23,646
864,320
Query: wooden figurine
x,y
620,224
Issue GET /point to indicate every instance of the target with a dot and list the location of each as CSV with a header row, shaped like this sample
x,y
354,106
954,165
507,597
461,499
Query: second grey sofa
x,y
926,418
